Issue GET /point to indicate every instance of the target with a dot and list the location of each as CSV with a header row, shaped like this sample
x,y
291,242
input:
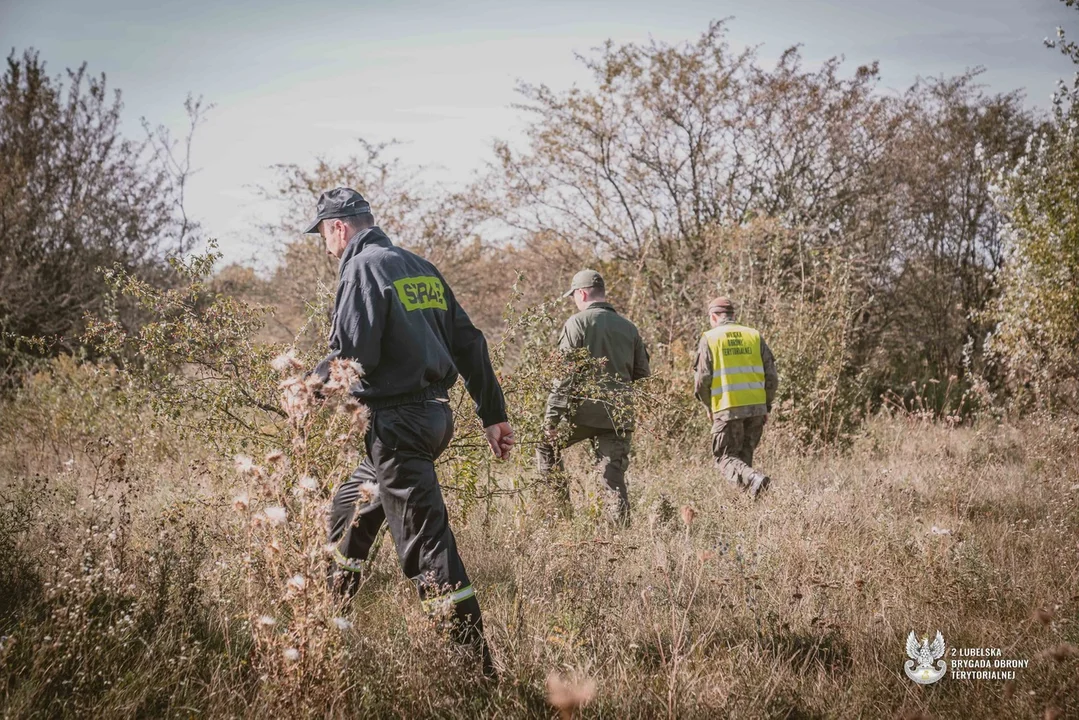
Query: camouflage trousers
x,y
610,448
733,443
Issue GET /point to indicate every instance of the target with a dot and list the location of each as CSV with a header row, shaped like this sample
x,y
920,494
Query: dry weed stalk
x,y
294,616
682,584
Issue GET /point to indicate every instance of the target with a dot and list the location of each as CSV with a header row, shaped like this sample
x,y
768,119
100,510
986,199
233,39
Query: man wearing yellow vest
x,y
737,381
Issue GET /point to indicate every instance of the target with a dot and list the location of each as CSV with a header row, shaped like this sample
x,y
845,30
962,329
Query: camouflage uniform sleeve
x,y
702,383
771,377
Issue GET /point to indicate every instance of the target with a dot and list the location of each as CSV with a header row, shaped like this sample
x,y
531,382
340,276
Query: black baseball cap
x,y
338,203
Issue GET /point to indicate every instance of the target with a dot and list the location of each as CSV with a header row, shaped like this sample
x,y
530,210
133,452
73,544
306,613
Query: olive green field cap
x,y
585,279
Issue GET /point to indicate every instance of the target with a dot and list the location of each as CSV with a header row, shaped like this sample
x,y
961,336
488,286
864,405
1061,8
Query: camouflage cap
x,y
721,305
585,279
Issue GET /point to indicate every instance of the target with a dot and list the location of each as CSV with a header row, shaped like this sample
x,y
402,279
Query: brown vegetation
x,y
146,577
162,514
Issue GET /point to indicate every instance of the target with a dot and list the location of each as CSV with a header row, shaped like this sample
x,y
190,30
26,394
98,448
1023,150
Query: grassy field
x,y
135,581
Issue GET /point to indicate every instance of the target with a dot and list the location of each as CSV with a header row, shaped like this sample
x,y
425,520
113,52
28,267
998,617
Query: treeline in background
x,y
911,248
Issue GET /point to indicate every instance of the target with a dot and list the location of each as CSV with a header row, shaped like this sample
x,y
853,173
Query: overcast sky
x,y
292,81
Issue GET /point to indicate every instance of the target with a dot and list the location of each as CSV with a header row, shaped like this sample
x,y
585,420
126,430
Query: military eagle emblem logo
x,y
920,668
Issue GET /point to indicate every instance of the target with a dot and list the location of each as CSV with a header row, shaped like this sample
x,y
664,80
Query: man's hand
x,y
500,438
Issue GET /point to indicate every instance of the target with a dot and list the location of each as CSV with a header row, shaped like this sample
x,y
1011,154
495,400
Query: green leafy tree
x,y
76,196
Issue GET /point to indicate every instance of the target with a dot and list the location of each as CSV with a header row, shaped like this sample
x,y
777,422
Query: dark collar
x,y
368,236
600,305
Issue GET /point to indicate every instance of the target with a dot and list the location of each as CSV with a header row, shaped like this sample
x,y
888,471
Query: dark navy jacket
x,y
397,316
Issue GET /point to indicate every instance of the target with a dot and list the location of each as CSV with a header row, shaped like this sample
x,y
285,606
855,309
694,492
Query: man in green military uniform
x,y
605,334
736,380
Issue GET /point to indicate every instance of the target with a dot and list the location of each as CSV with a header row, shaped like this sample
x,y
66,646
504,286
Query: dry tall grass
x,y
134,583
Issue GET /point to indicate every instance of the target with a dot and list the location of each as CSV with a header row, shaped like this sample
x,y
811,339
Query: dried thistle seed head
x,y
241,502
286,362
342,623
296,584
344,373
265,621
367,492
307,483
293,383
244,464
313,383
688,515
567,696
275,456
276,514
291,654
295,398
361,417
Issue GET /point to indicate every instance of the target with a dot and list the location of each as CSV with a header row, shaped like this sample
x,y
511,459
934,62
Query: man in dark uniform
x,y
397,317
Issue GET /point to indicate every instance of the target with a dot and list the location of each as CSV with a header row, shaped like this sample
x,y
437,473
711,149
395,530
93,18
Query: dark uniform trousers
x,y
611,451
402,444
733,443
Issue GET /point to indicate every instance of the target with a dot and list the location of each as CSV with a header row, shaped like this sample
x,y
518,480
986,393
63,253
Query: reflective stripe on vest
x,y
737,367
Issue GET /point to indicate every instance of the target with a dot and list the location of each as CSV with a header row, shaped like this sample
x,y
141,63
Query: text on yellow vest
x,y
737,367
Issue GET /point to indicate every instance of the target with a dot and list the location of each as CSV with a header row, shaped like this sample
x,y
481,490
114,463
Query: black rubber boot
x,y
759,485
468,631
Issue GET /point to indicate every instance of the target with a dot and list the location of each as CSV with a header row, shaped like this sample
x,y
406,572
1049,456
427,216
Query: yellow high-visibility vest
x,y
737,367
